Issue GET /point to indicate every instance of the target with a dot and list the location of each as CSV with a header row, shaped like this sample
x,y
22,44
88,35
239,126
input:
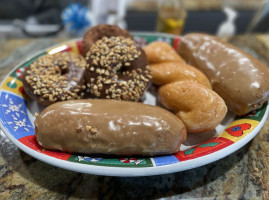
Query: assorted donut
x,y
117,69
113,67
114,70
55,77
98,32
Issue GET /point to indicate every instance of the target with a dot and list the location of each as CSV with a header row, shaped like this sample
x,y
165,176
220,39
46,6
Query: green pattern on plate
x,y
12,84
211,144
112,162
255,115
151,38
24,65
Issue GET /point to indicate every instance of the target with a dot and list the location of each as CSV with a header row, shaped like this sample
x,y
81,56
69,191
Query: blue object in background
x,y
76,18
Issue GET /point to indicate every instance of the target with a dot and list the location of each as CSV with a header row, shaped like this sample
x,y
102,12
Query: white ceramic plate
x,y
17,116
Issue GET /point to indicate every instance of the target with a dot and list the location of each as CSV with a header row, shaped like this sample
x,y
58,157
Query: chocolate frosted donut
x,y
100,31
56,77
117,69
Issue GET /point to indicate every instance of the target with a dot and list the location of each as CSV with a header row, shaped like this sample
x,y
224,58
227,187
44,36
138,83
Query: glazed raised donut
x,y
55,77
100,31
167,72
102,126
117,68
167,66
158,52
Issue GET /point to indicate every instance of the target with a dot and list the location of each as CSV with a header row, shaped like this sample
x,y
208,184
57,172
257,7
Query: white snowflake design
x,y
16,113
88,159
13,108
19,123
140,41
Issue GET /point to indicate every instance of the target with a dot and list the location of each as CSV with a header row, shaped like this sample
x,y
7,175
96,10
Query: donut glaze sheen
x,y
168,72
101,126
161,52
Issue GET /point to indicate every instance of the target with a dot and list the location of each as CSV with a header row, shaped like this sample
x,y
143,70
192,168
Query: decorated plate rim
x,y
127,171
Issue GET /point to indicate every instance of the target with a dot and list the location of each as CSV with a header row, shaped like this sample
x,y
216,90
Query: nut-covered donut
x,y
56,77
100,31
117,68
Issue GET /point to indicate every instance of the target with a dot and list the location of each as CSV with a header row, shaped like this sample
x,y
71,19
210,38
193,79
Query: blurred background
x,y
65,19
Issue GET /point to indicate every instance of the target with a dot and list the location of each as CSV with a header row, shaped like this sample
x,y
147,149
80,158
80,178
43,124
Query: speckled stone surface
x,y
241,175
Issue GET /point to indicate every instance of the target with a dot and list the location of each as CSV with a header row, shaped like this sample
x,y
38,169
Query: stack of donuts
x,y
113,66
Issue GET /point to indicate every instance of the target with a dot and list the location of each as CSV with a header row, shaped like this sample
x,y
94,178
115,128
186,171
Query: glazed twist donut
x,y
185,90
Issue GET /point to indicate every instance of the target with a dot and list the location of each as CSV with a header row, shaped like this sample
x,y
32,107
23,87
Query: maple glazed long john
x,y
96,126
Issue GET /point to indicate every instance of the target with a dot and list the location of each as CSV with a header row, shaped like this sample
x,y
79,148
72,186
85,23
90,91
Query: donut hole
x,y
123,69
64,71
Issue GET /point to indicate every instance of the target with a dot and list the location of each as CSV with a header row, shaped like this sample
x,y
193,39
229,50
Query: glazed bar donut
x,y
240,79
55,77
102,126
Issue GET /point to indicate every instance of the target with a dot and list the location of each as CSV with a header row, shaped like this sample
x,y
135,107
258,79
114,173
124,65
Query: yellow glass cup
x,y
171,16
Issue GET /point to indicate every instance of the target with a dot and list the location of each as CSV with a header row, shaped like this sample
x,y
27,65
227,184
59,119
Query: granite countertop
x,y
241,175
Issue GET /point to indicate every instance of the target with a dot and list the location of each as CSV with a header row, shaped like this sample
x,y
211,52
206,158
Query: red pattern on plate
x,y
31,142
128,160
68,49
79,45
205,148
176,42
238,130
21,90
20,72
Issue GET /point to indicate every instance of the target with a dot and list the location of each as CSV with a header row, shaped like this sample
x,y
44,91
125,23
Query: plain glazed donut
x,y
56,77
117,69
159,52
167,72
100,31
